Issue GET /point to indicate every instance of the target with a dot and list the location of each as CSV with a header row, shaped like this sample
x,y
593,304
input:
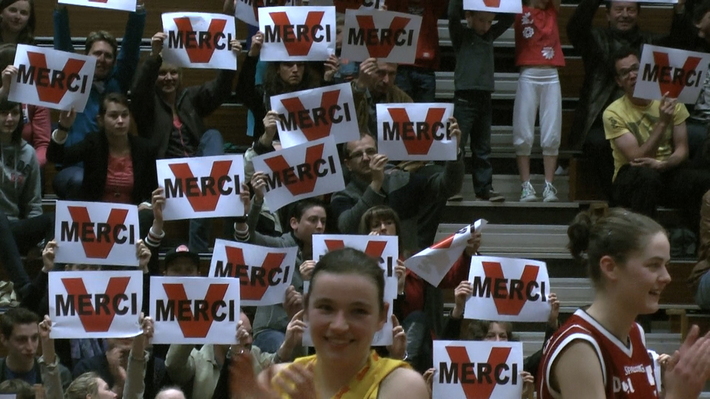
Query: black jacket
x,y
93,152
154,117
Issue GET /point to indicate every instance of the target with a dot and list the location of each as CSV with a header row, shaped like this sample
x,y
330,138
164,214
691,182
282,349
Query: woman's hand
x,y
473,244
270,120
156,43
331,67
461,295
258,183
528,384
306,269
256,42
555,312
245,196
398,349
689,367
401,272
8,76
236,46
143,254
48,254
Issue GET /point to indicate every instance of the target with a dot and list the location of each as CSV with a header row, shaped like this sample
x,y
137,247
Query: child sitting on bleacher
x,y
474,83
538,54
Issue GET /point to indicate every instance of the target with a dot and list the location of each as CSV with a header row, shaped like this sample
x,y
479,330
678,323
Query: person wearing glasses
x,y
650,147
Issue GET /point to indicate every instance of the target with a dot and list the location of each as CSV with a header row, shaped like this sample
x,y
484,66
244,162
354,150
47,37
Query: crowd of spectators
x,y
646,152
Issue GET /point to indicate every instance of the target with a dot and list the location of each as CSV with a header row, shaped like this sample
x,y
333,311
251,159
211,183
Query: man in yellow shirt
x,y
650,147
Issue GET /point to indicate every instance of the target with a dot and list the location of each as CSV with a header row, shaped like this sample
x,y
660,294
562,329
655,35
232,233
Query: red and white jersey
x,y
627,369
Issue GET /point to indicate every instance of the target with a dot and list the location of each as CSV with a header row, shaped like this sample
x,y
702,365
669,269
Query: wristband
x,y
62,128
241,219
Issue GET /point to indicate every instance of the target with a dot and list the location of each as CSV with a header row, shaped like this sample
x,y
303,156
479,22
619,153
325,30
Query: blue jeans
x,y
269,341
211,144
473,114
67,182
418,83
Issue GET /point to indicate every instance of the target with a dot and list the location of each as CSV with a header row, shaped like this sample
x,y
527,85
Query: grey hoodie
x,y
20,187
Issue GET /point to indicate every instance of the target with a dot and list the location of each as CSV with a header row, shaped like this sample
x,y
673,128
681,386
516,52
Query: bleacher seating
x,y
538,229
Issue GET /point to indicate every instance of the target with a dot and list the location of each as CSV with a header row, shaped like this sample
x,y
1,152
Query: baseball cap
x,y
182,251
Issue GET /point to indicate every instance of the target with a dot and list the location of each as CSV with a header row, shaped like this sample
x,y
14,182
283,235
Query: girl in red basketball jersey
x,y
600,352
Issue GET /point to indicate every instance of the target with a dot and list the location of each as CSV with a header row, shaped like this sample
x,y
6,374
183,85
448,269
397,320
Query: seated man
x,y
20,337
411,195
650,148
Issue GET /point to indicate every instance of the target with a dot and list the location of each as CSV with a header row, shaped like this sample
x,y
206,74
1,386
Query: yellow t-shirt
x,y
623,117
366,384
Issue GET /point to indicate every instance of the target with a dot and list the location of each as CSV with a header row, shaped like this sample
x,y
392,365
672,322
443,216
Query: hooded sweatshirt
x,y
20,189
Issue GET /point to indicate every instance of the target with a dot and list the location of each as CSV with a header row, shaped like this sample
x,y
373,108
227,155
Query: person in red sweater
x,y
418,80
419,305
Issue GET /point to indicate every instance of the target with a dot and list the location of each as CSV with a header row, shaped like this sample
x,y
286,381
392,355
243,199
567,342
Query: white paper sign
x,y
342,5
314,114
383,248
386,35
194,310
263,272
199,40
96,233
95,304
297,33
432,264
201,187
677,72
416,131
52,78
478,369
506,289
123,5
502,6
303,171
248,10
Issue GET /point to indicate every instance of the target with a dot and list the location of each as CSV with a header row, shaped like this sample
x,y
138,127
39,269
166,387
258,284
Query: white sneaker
x,y
528,193
560,171
550,193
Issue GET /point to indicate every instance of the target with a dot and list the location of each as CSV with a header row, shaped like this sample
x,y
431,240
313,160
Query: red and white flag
x,y
432,264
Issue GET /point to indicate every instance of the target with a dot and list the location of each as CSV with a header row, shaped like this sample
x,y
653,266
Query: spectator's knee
x,y
213,135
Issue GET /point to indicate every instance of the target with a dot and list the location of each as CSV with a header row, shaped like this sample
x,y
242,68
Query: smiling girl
x,y
345,308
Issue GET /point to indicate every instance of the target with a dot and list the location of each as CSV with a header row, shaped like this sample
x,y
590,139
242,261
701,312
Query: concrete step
x,y
509,186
